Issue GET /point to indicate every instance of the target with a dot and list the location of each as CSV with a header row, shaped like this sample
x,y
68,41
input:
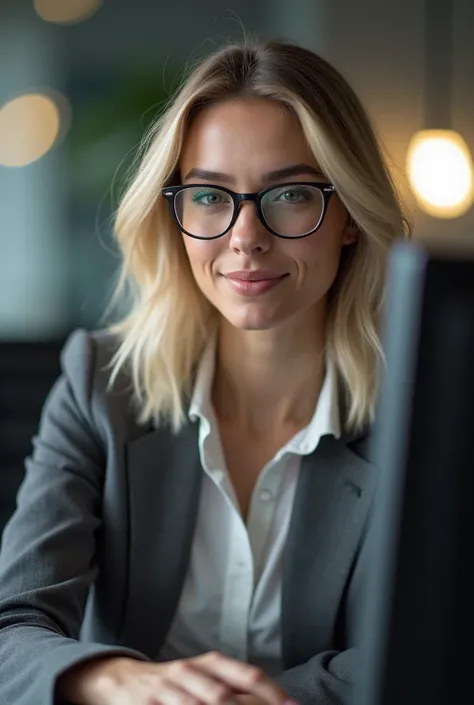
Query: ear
x,y
350,234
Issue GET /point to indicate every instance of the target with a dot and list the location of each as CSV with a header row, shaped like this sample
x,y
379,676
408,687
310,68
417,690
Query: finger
x,y
242,676
169,693
200,683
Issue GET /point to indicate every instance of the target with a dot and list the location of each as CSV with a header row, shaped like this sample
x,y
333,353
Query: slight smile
x,y
253,283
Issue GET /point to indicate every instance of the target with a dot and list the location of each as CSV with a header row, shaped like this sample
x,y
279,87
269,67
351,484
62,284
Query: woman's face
x,y
242,141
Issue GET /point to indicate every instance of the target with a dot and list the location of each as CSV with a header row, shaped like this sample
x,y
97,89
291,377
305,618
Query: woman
x,y
200,473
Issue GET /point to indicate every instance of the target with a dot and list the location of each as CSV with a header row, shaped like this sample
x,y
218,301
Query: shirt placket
x,y
238,593
262,512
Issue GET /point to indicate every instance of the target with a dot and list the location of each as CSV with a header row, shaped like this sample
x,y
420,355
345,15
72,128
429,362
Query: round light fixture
x,y
66,11
29,126
440,169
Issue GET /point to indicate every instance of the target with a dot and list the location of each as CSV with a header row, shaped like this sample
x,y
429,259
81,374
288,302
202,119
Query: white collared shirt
x,y
231,599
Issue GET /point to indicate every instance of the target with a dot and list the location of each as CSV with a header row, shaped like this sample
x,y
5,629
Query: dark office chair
x,y
27,372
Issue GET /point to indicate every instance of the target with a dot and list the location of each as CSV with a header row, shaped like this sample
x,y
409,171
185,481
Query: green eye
x,y
292,195
208,197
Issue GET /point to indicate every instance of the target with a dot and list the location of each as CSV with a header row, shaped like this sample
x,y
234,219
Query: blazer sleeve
x,y
328,677
48,555
325,679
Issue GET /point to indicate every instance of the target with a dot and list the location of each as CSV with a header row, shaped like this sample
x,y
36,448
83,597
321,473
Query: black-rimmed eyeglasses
x,y
291,210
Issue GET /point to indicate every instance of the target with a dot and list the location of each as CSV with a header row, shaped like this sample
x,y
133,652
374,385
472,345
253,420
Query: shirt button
x,y
266,495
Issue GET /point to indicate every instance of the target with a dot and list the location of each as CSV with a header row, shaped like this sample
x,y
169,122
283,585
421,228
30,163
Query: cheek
x,y
322,249
318,260
201,255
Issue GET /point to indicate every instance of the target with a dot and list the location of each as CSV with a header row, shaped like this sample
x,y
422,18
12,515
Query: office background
x,y
108,75
57,257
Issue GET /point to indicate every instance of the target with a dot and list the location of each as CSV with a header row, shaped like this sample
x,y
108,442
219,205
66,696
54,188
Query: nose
x,y
248,234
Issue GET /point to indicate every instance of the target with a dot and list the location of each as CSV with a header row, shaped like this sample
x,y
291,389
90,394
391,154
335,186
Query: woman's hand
x,y
209,679
253,700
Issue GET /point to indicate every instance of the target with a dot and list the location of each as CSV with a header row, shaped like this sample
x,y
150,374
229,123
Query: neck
x,y
269,379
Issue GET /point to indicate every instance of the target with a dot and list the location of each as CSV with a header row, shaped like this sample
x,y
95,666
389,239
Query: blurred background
x,y
80,81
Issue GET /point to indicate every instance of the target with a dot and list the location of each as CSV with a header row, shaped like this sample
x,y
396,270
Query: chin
x,y
252,320
254,326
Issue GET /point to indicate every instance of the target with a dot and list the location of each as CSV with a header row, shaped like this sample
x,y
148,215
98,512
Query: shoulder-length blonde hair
x,y
170,320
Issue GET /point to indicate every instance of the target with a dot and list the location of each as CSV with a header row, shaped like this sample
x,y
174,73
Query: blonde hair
x,y
169,321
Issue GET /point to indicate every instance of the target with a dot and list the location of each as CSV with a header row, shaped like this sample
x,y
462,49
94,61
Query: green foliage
x,y
106,130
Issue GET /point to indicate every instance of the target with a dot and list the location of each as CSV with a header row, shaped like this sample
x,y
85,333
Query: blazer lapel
x,y
164,476
330,509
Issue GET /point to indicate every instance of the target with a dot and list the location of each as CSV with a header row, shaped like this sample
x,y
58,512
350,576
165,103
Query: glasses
x,y
206,212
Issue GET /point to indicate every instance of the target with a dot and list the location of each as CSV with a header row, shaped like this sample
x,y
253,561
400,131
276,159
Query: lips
x,y
253,283
253,275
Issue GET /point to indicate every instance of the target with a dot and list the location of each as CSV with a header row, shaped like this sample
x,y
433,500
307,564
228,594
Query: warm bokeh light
x,y
440,170
66,11
29,126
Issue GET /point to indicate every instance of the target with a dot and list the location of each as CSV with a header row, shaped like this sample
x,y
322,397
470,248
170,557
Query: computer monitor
x,y
417,631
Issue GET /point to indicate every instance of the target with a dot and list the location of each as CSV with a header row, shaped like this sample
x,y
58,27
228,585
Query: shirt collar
x,y
326,418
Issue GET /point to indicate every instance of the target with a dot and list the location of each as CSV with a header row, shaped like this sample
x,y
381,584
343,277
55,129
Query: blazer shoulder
x,y
86,362
86,356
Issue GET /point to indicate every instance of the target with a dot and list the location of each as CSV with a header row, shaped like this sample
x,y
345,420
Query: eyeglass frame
x,y
170,193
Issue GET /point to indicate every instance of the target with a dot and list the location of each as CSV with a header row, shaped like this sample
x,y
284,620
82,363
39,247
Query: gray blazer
x,y
94,558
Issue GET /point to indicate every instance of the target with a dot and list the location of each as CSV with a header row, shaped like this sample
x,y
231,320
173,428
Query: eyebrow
x,y
277,174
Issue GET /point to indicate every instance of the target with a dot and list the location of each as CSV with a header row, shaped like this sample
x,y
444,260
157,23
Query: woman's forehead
x,y
255,115
244,136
